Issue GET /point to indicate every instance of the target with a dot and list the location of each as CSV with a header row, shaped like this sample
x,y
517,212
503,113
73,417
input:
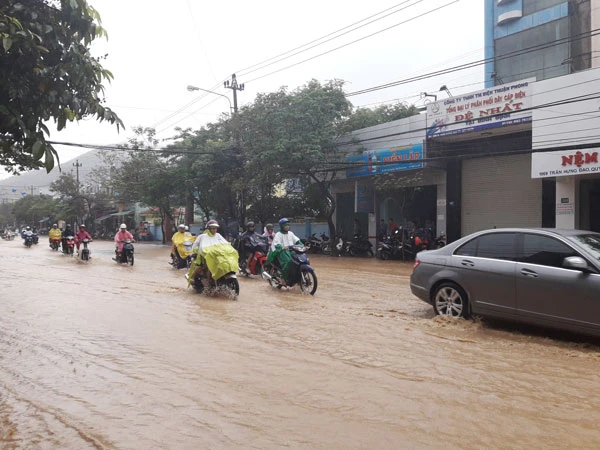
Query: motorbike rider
x,y
269,233
248,239
120,238
282,241
54,233
177,239
27,232
210,237
67,233
81,235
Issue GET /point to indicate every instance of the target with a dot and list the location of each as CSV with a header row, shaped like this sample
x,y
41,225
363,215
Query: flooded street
x,y
102,356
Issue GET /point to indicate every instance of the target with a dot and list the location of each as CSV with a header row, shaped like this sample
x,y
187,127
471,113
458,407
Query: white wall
x,y
574,122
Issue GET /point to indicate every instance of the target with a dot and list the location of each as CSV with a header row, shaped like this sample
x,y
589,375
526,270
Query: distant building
x,y
539,39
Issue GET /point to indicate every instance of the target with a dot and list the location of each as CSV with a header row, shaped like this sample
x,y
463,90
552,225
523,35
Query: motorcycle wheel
x,y
370,252
383,255
233,285
130,258
84,256
308,282
326,249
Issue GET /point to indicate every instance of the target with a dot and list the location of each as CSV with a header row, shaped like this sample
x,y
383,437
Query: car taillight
x,y
416,264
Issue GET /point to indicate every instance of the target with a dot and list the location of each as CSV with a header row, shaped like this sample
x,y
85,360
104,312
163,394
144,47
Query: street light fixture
x,y
445,88
195,88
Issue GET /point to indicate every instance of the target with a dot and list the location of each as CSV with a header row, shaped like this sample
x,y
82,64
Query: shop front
x,y
576,174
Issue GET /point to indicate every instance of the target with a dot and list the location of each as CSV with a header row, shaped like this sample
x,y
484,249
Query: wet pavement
x,y
102,356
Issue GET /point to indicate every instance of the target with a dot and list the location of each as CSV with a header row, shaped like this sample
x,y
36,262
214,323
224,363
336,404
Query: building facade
x,y
539,39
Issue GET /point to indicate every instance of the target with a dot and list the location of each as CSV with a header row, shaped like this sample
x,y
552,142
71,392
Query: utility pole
x,y
77,166
234,86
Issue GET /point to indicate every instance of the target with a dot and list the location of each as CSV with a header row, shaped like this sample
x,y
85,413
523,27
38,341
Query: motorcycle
x,y
300,272
358,246
55,244
216,272
28,241
319,244
260,249
125,256
68,245
84,253
183,256
441,241
35,238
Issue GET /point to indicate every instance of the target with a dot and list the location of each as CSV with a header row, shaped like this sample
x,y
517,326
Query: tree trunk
x,y
189,209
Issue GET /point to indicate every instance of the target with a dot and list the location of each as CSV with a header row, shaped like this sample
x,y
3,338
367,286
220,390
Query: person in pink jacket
x,y
81,235
120,238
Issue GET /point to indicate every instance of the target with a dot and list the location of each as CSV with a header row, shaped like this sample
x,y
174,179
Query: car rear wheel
x,y
449,299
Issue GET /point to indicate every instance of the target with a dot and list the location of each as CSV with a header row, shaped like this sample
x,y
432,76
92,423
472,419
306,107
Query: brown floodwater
x,y
102,356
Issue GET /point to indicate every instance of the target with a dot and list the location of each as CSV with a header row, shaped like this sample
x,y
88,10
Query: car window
x,y
493,245
544,250
591,242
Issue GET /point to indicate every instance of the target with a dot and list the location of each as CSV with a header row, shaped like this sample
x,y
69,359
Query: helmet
x,y
68,225
212,223
186,228
283,221
250,224
54,225
123,226
181,226
28,228
270,226
82,226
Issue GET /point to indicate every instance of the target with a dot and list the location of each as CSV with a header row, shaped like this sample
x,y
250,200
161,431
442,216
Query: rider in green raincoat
x,y
282,241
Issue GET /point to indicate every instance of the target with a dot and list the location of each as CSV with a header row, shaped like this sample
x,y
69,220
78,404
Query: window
x,y
544,251
493,245
533,6
542,63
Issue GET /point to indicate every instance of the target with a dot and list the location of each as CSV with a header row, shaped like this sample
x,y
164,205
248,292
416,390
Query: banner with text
x,y
372,162
564,163
498,106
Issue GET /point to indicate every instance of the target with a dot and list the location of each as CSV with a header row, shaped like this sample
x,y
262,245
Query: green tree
x,y
47,73
367,117
32,208
148,177
293,136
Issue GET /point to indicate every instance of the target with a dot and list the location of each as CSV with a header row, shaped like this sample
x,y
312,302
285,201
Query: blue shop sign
x,y
394,159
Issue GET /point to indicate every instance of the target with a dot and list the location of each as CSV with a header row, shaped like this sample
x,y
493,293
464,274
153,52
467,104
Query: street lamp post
x,y
195,88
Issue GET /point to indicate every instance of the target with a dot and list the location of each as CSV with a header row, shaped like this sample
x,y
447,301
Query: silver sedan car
x,y
545,277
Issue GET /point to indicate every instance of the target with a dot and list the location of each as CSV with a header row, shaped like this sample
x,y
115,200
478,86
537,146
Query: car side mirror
x,y
577,263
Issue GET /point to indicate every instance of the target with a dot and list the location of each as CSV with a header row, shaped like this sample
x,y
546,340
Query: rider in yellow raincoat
x,y
214,253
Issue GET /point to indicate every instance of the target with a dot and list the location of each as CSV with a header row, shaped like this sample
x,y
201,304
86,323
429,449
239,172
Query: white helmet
x,y
123,226
181,226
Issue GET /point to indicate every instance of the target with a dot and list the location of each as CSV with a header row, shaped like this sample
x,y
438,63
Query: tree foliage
x,y
32,208
367,117
47,73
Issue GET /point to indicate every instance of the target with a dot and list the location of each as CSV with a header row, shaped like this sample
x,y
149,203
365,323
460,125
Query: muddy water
x,y
101,356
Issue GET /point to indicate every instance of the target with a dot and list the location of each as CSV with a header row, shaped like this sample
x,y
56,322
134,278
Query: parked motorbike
x,y
218,271
300,272
125,256
36,238
318,244
182,257
68,245
84,251
260,249
441,241
55,244
358,246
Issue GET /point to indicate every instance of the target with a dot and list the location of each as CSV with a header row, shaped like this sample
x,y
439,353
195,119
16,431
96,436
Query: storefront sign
x,y
564,163
393,159
499,106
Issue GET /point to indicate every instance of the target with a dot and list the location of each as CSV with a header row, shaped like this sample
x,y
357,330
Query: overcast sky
x,y
156,48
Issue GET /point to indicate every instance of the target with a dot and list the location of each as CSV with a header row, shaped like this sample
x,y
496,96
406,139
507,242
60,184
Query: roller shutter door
x,y
499,192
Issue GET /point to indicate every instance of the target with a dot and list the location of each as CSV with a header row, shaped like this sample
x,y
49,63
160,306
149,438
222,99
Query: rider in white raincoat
x,y
214,252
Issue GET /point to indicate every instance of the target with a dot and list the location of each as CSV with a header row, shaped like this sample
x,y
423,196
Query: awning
x,y
124,213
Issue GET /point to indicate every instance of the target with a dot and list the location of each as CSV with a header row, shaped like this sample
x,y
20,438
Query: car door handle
x,y
466,262
529,273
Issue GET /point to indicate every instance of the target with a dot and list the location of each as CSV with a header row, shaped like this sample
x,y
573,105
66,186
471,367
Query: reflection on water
x,y
103,356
